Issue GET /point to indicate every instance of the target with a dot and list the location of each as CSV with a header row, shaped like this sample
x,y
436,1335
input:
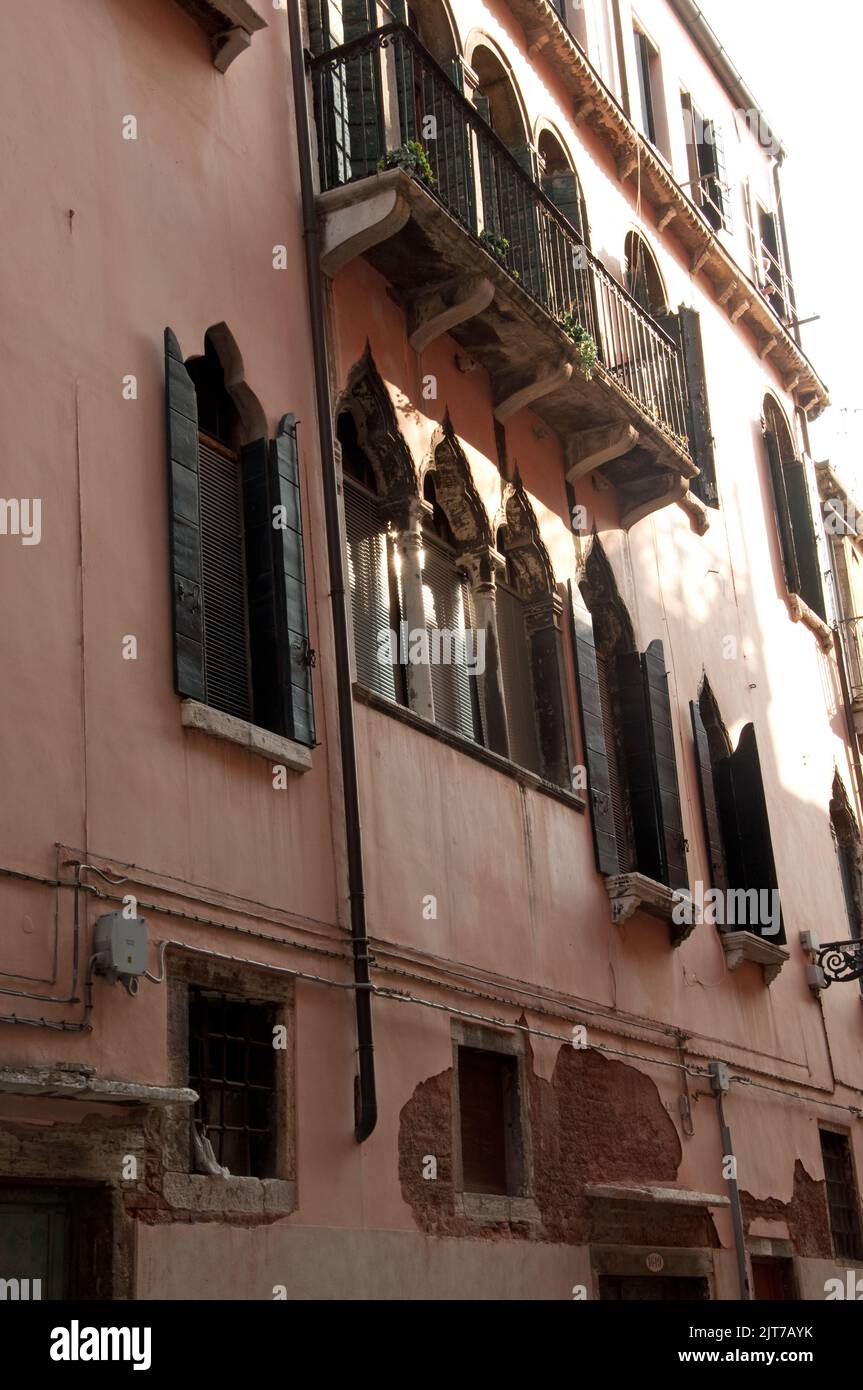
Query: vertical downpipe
x,y
366,1109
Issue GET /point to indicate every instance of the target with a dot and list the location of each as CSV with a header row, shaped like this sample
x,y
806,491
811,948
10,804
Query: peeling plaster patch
x,y
806,1215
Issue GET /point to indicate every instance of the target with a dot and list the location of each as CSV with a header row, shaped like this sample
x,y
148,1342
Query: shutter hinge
x,y
309,656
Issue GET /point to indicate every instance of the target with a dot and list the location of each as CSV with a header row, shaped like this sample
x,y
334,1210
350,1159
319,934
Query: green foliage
x,y
498,246
585,347
413,159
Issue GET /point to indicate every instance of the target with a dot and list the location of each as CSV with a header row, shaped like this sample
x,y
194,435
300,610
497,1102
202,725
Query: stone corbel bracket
x,y
354,220
740,946
591,448
228,24
630,893
699,515
802,613
517,394
434,312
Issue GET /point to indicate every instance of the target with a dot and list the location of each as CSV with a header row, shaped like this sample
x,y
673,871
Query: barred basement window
x,y
232,1066
843,1201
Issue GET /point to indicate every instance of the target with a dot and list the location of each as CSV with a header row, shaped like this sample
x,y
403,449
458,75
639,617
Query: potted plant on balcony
x,y
585,347
498,246
413,159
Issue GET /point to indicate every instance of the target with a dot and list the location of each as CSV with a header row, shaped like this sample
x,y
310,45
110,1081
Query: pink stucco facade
x,y
196,222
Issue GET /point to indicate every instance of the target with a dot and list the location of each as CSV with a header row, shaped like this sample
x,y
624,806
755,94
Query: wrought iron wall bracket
x,y
841,960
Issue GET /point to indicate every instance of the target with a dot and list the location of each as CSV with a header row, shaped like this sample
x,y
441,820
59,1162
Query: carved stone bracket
x,y
802,613
517,394
355,219
590,448
434,312
228,24
630,893
740,946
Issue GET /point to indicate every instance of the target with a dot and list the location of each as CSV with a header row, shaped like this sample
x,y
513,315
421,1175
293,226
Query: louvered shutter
x,y
185,524
369,584
524,223
782,513
492,220
267,689
593,736
709,807
292,611
745,824
450,151
227,666
803,530
700,431
445,610
648,738
515,662
752,234
365,139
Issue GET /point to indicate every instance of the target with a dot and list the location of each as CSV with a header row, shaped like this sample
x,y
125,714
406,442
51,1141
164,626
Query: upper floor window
x,y
241,639
648,72
643,278
793,511
708,180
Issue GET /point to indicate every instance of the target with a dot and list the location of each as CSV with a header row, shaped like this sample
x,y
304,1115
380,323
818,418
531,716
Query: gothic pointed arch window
x,y
241,633
628,735
449,619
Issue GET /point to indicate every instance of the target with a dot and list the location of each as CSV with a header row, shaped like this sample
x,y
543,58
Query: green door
x,y
35,1228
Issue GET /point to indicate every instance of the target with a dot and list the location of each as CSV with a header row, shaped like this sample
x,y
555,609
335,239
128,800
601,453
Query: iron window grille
x,y
843,1202
232,1066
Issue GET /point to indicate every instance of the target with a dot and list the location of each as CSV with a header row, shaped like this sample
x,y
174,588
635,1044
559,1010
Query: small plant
x,y
413,159
585,347
498,246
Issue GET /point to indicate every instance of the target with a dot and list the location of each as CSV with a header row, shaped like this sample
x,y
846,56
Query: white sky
x,y
802,61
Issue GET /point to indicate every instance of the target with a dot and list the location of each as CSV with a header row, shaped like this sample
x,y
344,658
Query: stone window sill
x,y
228,24
199,1192
488,1207
466,745
740,946
274,747
630,893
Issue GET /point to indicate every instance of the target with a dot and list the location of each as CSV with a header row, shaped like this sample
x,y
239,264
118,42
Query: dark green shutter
x,y
450,152
526,223
803,530
782,512
593,737
709,808
292,616
700,431
648,739
182,421
721,184
491,212
269,710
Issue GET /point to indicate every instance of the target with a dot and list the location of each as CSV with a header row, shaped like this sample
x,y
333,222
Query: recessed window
x,y
232,1066
647,65
793,511
708,180
843,1201
489,1113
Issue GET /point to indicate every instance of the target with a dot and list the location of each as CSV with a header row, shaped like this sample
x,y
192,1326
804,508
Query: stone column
x,y
481,567
408,519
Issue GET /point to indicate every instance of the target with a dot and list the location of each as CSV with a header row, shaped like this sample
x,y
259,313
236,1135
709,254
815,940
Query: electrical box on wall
x,y
120,946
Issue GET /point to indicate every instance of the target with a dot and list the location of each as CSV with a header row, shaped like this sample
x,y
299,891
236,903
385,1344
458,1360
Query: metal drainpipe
x,y
719,1083
367,1107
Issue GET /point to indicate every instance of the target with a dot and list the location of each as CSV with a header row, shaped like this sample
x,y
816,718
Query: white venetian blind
x,y
369,584
446,609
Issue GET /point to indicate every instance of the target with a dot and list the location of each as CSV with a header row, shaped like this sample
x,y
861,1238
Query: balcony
x,y
473,246
851,632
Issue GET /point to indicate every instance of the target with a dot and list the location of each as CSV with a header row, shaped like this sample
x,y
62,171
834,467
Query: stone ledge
x,y
634,1192
740,946
274,747
198,1192
228,24
489,1207
57,1083
630,893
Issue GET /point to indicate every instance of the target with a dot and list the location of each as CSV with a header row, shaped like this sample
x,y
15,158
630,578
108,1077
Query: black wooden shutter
x,y
648,737
593,736
227,665
491,212
700,431
803,530
783,514
721,184
291,601
188,622
709,808
745,824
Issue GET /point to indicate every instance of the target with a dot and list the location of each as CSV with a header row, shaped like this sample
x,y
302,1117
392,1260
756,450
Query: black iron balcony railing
x,y
384,91
851,631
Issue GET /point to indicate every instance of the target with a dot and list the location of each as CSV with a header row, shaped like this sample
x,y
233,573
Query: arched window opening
x,y
561,184
643,279
449,618
793,511
373,572
736,824
241,638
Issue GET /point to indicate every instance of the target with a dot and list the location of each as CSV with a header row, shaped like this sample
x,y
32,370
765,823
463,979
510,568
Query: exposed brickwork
x,y
596,1120
806,1214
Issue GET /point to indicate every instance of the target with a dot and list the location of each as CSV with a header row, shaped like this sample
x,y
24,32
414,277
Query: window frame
x,y
516,1205
854,1188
